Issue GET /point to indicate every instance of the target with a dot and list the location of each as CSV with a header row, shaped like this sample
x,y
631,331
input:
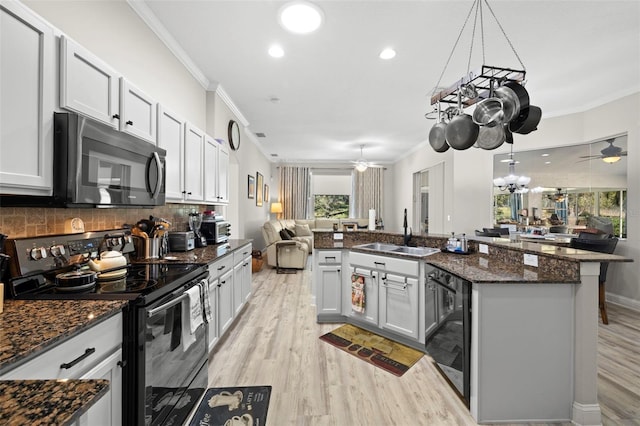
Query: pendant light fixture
x,y
512,182
361,164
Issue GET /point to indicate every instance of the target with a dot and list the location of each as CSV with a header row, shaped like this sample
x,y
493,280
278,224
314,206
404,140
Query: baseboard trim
x,y
627,302
586,414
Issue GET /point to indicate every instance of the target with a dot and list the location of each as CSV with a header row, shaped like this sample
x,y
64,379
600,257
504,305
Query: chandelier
x,y
512,182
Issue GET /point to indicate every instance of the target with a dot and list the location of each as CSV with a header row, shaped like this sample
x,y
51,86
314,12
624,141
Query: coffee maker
x,y
195,220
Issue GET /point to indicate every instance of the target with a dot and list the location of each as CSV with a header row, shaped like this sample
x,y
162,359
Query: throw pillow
x,y
303,231
290,232
284,234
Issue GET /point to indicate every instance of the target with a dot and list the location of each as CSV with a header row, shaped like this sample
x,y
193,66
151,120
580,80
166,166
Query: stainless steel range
x,y
164,376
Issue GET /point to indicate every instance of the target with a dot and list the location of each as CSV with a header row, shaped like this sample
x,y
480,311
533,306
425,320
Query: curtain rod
x,y
331,168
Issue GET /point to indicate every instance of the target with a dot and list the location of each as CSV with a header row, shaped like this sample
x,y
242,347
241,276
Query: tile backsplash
x,y
17,222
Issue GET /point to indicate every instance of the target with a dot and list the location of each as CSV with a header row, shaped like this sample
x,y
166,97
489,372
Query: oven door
x,y
175,371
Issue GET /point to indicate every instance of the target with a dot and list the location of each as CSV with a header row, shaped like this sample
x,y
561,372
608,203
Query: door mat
x,y
238,406
391,356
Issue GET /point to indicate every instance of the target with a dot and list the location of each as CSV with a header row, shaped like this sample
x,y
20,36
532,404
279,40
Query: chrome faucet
x,y
407,237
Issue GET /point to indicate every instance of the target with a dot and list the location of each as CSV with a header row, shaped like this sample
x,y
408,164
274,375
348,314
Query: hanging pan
x,y
461,132
437,134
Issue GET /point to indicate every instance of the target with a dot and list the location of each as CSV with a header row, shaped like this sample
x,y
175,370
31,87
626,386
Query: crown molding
x,y
232,107
163,34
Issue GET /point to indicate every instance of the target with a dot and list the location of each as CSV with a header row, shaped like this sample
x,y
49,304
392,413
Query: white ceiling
x,y
335,94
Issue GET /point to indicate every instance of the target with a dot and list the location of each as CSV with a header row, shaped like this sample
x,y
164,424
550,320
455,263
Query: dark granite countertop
x,y
204,255
28,327
503,264
48,402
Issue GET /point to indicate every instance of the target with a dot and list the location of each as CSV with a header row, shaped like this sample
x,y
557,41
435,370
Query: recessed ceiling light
x,y
545,155
300,17
547,162
387,53
276,51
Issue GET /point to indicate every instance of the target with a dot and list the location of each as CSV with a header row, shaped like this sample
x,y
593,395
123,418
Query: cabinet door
x,y
171,139
88,85
246,280
225,301
399,305
193,163
138,112
27,88
223,174
213,321
371,291
329,289
108,409
238,300
210,169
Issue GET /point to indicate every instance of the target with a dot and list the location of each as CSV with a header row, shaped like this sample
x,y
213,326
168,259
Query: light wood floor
x,y
275,342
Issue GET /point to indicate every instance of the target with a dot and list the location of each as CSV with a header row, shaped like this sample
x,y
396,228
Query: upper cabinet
x,y
27,101
193,163
216,171
137,112
171,139
88,85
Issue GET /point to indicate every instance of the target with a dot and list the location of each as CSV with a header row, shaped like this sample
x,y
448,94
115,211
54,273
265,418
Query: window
x,y
333,206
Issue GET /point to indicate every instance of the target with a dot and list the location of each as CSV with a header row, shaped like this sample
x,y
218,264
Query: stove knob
x,y
38,253
57,250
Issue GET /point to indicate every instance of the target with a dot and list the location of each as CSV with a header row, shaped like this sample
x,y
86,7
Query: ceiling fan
x,y
610,154
361,165
558,196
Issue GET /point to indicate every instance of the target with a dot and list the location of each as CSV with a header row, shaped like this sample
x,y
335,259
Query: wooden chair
x,y
601,245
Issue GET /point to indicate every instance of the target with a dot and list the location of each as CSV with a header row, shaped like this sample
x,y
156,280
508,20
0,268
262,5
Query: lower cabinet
x,y
95,353
399,305
225,301
371,290
329,288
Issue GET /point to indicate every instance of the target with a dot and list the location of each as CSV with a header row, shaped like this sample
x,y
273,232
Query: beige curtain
x,y
294,190
368,192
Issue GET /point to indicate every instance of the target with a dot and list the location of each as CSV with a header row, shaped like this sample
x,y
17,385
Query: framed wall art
x,y
259,189
251,187
266,194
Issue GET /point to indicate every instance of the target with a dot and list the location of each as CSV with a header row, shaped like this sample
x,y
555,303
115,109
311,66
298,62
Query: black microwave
x,y
95,165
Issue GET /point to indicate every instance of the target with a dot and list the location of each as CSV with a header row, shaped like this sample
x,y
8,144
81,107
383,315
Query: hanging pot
x,y
510,103
520,92
527,121
508,136
490,137
488,112
437,137
461,132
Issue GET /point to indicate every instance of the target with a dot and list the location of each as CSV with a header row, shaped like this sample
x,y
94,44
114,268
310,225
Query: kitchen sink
x,y
392,248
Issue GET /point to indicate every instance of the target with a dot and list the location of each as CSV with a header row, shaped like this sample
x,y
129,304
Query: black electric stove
x,y
163,376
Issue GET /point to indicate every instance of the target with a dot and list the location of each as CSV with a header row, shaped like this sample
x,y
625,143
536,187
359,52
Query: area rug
x,y
377,350
236,406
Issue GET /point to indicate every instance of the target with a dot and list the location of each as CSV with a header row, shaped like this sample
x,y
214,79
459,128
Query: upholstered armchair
x,y
283,251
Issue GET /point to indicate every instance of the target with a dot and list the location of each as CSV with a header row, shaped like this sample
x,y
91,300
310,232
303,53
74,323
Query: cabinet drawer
x,y
240,254
329,256
221,266
385,263
98,341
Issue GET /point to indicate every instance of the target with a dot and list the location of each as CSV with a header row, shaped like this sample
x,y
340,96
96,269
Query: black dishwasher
x,y
448,327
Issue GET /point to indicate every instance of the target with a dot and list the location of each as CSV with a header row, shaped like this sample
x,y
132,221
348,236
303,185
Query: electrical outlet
x,y
531,260
483,248
338,236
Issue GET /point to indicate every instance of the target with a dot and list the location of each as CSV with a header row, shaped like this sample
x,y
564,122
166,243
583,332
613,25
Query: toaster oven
x,y
216,232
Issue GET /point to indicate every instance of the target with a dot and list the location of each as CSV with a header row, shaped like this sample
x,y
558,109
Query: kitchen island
x,y
533,337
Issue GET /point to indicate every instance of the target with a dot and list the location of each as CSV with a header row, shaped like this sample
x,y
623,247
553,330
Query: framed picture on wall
x,y
251,187
266,194
259,189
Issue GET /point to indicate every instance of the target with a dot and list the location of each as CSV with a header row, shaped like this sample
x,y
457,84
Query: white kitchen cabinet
x,y
210,169
138,112
193,163
27,101
95,353
225,301
371,291
223,175
216,171
328,277
399,305
171,139
88,85
241,276
214,334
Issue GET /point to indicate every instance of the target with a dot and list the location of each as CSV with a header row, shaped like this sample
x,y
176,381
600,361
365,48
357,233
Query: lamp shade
x,y
276,207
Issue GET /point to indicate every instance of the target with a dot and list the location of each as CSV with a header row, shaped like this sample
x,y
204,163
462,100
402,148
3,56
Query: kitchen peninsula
x,y
533,322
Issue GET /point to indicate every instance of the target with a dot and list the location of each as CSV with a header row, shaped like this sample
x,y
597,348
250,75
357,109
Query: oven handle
x,y
169,304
